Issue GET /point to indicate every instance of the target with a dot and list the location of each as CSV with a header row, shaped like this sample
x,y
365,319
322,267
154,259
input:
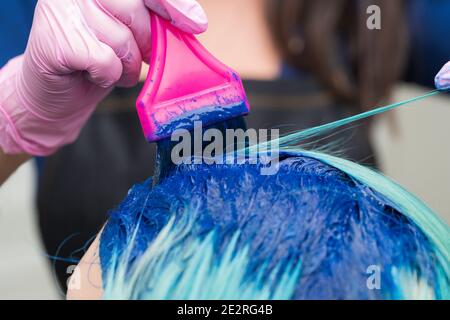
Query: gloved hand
x,y
77,52
443,78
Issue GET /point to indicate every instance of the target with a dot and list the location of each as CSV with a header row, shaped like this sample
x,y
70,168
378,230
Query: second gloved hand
x,y
443,78
77,52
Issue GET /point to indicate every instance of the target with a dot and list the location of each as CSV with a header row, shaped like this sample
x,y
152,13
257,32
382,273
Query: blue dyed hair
x,y
322,228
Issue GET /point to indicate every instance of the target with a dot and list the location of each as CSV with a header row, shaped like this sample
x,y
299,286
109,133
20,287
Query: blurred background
x,y
304,63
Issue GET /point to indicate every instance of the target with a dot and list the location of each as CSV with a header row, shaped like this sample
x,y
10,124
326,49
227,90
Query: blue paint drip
x,y
309,212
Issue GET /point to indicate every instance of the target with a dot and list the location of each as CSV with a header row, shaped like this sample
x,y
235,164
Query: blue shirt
x,y
16,18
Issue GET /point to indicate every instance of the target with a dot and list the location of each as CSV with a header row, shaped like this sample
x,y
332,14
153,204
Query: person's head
x,y
321,228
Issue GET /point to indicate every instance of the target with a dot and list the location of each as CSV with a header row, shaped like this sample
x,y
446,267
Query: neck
x,y
239,36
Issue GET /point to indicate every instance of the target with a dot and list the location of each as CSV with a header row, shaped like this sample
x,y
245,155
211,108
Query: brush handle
x,y
184,78
170,43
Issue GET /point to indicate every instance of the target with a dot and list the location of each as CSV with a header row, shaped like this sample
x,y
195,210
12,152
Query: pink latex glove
x,y
443,78
77,52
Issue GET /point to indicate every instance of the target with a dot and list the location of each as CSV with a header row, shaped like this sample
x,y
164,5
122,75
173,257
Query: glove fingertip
x,y
187,15
193,27
442,80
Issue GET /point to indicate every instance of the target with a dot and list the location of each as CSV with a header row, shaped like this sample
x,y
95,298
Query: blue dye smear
x,y
207,115
309,212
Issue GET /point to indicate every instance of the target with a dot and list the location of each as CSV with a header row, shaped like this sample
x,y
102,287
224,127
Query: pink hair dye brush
x,y
186,85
